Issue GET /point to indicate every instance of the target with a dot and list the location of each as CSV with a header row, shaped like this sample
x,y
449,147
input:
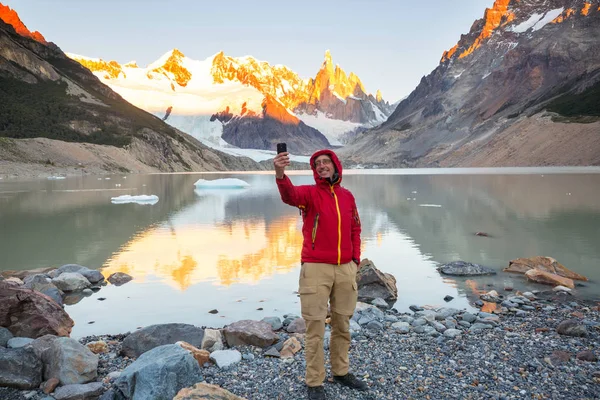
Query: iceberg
x,y
140,199
56,178
226,183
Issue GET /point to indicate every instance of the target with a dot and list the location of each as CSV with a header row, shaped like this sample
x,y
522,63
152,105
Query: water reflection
x,y
196,250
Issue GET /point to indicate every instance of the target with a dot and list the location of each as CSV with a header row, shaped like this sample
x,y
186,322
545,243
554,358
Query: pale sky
x,y
390,45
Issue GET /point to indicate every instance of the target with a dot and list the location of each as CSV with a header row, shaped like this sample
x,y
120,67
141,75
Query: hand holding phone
x,y
281,160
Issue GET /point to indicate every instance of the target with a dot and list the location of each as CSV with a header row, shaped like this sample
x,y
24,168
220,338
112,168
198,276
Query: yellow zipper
x,y
337,206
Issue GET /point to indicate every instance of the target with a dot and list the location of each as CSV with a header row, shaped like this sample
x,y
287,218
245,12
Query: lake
x,y
238,251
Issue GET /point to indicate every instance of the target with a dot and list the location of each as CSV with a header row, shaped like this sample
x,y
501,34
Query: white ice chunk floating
x,y
430,205
226,183
140,199
56,178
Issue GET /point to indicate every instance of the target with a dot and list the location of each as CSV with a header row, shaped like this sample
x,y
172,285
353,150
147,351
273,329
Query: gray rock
x,y
355,326
401,327
143,340
20,368
373,284
297,326
71,281
69,361
226,358
464,324
212,340
379,302
119,278
374,326
159,374
275,322
5,336
438,326
463,268
429,315
452,333
272,352
249,332
89,391
445,312
572,327
479,326
391,318
18,342
419,322
415,308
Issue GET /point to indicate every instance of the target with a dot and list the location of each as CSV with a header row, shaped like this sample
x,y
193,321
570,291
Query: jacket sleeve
x,y
293,195
355,232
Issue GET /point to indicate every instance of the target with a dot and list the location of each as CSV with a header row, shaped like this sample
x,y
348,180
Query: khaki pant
x,y
320,284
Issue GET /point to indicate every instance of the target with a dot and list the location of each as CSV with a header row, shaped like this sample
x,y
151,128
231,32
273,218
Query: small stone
x,y
214,311
448,298
587,355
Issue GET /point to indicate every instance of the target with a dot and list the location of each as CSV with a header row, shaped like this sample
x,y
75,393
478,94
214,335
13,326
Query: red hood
x,y
336,163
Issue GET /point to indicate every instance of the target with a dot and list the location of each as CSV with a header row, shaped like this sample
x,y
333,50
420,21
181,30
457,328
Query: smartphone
x,y
281,148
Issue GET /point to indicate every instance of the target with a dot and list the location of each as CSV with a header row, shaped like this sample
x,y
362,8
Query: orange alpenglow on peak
x,y
494,17
586,8
378,96
566,14
274,109
12,18
173,65
335,80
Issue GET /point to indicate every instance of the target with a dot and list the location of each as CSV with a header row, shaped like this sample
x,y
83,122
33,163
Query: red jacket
x,y
331,225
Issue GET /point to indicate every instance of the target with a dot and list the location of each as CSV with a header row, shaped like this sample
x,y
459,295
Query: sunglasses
x,y
325,161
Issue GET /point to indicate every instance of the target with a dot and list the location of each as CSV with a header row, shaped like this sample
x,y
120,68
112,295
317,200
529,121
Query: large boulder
x,y
139,342
373,284
28,313
547,278
91,275
159,373
546,264
463,268
205,391
20,368
69,361
42,283
71,281
249,332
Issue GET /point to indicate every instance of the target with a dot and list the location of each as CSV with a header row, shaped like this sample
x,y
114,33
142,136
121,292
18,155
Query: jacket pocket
x,y
314,230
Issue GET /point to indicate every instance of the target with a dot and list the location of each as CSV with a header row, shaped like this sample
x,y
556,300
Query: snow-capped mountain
x,y
519,89
215,98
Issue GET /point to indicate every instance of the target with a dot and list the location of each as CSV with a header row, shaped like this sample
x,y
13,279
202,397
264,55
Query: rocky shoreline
x,y
532,345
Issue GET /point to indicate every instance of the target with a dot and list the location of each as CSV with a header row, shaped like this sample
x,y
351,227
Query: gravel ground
x,y
522,357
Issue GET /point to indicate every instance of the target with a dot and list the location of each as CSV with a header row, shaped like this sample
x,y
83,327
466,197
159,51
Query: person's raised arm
x,y
293,195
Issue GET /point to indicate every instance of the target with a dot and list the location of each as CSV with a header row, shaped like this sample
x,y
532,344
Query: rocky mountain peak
x,y
12,18
172,67
516,16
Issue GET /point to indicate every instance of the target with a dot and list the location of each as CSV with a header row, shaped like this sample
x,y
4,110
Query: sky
x,y
390,45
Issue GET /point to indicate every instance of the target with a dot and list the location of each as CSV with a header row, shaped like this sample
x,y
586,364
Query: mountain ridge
x,y
507,71
210,85
51,102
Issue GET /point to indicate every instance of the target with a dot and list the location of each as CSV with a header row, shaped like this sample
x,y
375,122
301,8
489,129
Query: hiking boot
x,y
316,393
351,381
